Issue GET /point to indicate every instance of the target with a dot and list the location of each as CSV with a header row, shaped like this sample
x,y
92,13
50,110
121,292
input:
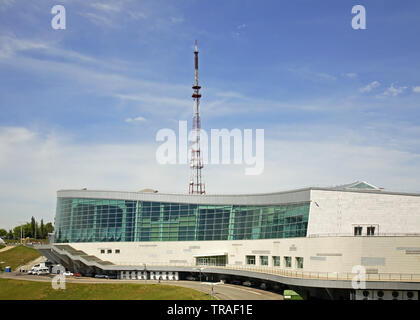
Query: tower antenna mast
x,y
196,185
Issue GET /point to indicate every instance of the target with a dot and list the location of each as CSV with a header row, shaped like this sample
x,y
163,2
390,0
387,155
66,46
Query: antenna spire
x,y
196,185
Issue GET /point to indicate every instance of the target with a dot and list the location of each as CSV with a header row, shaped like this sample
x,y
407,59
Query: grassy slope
x,y
18,256
2,246
32,290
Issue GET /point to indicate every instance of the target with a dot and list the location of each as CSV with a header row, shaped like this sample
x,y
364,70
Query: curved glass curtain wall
x,y
98,220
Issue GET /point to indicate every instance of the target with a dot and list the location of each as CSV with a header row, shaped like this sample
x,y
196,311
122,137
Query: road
x,y
221,291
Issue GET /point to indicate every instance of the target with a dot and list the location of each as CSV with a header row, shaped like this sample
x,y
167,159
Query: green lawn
x,y
32,290
18,256
292,295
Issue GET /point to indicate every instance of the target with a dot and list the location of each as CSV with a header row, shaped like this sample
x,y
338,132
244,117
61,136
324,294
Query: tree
x,y
23,231
27,230
33,227
49,228
3,233
42,230
10,235
16,232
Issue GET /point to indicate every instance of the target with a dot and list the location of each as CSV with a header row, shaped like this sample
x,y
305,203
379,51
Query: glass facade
x,y
98,220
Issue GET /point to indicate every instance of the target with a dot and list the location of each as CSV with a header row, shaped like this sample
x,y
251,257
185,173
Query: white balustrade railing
x,y
411,277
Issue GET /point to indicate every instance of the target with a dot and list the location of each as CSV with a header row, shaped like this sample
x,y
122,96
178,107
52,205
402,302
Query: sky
x,y
81,107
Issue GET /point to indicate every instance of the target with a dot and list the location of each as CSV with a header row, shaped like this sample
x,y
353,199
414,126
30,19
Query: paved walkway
x,y
220,291
30,264
6,248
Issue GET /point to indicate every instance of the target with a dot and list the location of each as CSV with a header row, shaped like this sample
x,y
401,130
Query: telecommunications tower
x,y
196,185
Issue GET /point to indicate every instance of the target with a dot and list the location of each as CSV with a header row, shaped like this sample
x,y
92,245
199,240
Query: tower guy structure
x,y
196,185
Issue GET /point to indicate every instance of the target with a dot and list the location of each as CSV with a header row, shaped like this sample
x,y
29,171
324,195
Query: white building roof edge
x,y
291,196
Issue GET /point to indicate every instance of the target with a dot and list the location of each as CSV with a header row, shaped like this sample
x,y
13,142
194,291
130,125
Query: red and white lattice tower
x,y
196,185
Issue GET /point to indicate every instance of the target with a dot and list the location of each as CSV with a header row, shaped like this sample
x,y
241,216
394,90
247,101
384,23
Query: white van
x,y
42,271
34,269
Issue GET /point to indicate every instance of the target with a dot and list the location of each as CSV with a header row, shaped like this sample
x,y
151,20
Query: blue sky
x,y
336,104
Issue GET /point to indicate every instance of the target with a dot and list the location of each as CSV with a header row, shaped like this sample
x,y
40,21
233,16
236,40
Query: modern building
x,y
315,240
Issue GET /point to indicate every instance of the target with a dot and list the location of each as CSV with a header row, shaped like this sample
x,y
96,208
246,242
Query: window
x,y
250,259
288,262
358,231
264,260
370,231
102,251
212,260
276,261
117,250
109,251
299,262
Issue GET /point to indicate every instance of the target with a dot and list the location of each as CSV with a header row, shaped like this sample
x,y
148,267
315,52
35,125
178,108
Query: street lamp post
x,y
21,231
212,288
200,269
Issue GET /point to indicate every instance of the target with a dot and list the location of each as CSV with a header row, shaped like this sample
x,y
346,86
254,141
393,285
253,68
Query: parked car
x,y
247,283
42,271
67,273
77,274
235,281
101,276
32,271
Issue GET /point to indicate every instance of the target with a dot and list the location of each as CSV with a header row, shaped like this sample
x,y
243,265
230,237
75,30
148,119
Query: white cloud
x,y
416,89
10,46
230,94
107,7
325,76
137,15
351,75
100,19
239,30
6,3
394,91
156,103
370,87
33,166
308,74
139,118
176,19
83,70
